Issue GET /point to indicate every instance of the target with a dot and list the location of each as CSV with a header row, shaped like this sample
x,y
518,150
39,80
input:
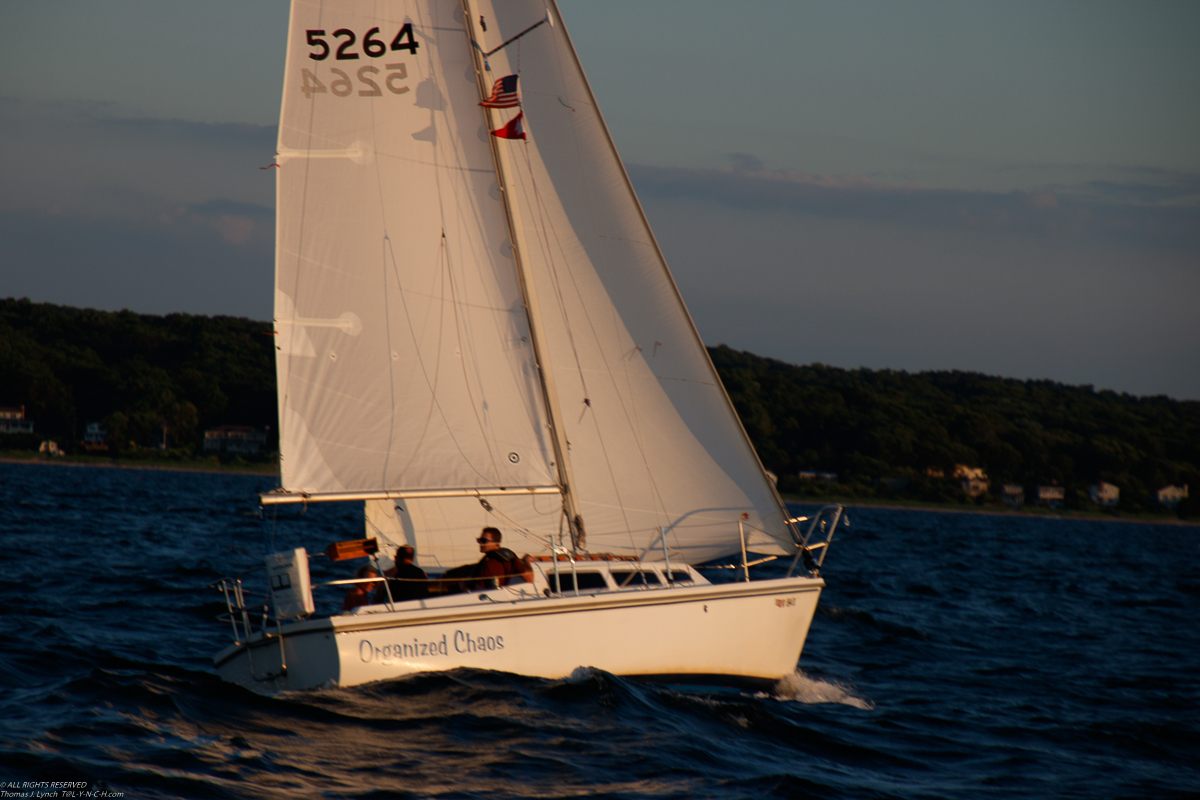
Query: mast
x,y
562,460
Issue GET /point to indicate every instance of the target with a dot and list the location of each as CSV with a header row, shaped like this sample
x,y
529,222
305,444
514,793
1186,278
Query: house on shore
x,y
95,438
1013,494
12,420
972,479
1051,496
1105,494
1169,496
234,440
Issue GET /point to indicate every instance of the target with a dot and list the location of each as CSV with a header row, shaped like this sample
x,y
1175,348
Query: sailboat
x,y
475,327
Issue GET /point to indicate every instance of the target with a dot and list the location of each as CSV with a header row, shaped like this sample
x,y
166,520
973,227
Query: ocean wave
x,y
801,688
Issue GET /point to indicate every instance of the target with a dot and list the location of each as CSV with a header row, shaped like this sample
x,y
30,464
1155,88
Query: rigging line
x,y
408,316
631,409
435,403
385,251
462,360
432,386
544,371
544,240
447,276
387,326
518,527
495,50
543,218
513,244
379,532
574,68
432,297
558,241
591,202
533,503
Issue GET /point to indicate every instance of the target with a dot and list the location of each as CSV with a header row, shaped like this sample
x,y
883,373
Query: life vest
x,y
504,556
507,559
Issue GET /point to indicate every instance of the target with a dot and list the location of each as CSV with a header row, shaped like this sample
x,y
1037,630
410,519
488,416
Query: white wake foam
x,y
583,674
803,689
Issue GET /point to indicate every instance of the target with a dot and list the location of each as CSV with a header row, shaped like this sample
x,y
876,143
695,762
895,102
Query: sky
x,y
1007,188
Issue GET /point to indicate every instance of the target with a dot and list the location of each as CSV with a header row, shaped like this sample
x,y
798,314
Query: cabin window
x,y
681,577
587,580
628,579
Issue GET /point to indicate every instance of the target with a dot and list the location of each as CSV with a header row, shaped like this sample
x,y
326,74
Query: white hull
x,y
737,631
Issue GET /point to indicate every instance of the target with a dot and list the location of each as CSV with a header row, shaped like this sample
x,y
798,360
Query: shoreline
x,y
1000,512
995,512
266,470
67,461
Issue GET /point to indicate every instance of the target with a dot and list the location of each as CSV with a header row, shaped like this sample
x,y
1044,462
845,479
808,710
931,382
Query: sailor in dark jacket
x,y
498,564
410,583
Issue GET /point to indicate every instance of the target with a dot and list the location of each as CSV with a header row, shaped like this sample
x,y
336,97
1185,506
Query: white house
x,y
1169,496
1104,494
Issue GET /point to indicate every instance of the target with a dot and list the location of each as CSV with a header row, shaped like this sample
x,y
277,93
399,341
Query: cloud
x,y
77,159
744,162
855,291
149,214
234,223
1165,213
1044,200
195,263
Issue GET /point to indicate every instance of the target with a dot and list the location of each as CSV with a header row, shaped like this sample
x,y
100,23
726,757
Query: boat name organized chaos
x,y
463,642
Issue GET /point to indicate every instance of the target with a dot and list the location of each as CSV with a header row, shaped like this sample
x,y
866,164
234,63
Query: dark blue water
x,y
953,656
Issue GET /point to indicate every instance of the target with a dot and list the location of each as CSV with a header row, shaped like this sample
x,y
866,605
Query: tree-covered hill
x,y
869,424
139,373
136,373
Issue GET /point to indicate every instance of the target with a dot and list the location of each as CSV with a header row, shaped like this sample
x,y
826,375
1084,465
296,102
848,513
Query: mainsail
x,y
407,356
403,347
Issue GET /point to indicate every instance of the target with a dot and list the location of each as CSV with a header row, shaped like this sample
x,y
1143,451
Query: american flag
x,y
504,94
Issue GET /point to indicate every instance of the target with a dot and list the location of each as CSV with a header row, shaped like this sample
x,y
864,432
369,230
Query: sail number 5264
x,y
368,77
372,46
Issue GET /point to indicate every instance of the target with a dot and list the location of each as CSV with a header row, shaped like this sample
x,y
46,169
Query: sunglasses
x,y
484,540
